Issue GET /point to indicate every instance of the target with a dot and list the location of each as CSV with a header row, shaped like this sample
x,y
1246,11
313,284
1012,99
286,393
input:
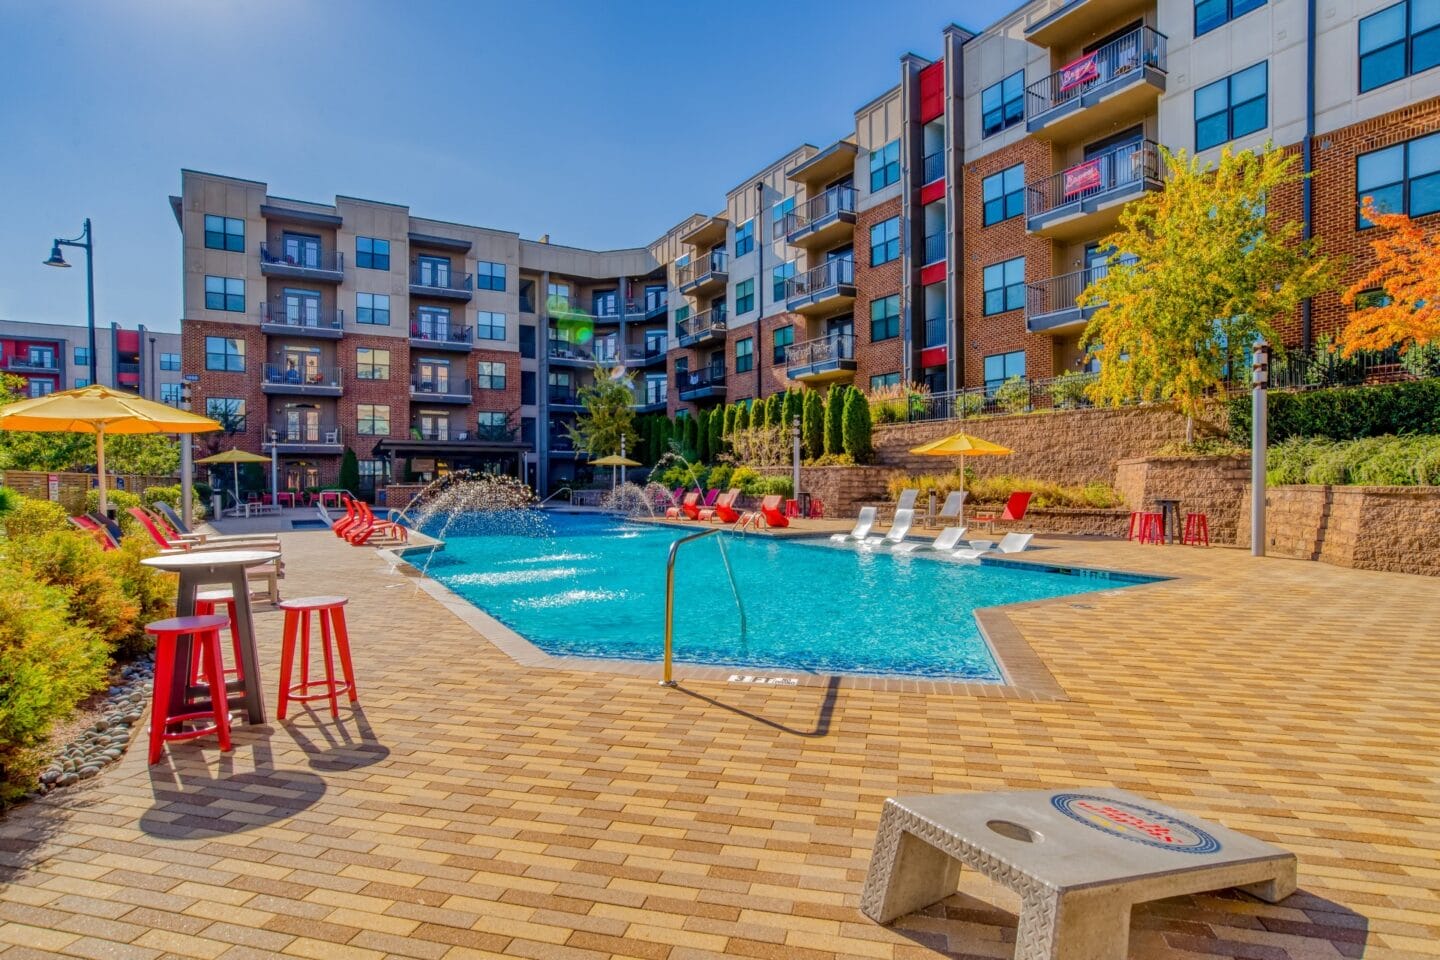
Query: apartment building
x,y
942,239
56,356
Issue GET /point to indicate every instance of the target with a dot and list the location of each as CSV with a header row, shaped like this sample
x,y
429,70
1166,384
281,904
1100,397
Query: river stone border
x,y
106,739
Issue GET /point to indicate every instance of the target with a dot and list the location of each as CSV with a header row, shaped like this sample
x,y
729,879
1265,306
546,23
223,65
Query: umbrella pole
x,y
100,467
236,468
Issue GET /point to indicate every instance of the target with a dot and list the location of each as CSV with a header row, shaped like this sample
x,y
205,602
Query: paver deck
x,y
474,807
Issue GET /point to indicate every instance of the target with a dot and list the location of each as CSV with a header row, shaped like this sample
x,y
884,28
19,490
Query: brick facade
x,y
215,384
979,335
499,401
872,283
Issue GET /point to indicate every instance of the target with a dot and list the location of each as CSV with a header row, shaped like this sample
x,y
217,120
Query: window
x,y
229,411
82,356
224,233
1404,178
778,276
885,241
372,419
784,337
372,308
1367,299
82,382
778,217
372,364
1210,14
745,355
373,473
681,315
1000,367
1399,41
745,237
489,326
884,166
884,380
489,375
432,271
489,276
171,393
744,296
1005,286
40,388
1002,104
372,253
885,318
493,419
169,361
1231,107
1004,194
225,293
225,353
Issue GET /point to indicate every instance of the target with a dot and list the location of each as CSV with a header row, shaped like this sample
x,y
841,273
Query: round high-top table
x,y
210,568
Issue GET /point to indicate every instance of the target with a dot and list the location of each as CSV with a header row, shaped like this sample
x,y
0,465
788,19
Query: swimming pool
x,y
594,586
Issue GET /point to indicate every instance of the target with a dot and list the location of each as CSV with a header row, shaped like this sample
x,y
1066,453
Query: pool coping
x,y
1024,675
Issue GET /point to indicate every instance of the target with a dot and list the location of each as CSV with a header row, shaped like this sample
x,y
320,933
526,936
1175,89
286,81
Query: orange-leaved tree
x,y
1407,273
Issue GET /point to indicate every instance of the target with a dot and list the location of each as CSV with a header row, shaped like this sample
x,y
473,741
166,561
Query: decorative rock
x,y
68,779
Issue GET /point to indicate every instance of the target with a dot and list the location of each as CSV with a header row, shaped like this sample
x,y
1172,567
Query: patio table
x,y
207,569
1169,511
329,498
285,497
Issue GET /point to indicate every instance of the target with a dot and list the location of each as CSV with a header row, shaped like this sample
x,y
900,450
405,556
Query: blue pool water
x,y
593,586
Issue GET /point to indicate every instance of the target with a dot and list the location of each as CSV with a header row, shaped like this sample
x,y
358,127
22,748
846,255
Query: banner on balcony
x,y
1084,70
1082,177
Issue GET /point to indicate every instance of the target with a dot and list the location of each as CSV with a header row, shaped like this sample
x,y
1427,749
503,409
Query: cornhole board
x,y
1078,859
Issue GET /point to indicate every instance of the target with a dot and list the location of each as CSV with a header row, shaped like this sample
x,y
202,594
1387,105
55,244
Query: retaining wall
x,y
1209,485
1370,528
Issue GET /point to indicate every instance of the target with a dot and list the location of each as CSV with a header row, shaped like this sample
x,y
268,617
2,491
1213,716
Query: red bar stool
x,y
1152,528
204,633
1137,524
792,508
206,602
1197,530
817,508
330,611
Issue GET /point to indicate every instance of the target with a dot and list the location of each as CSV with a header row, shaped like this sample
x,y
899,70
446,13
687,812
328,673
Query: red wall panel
x,y
932,91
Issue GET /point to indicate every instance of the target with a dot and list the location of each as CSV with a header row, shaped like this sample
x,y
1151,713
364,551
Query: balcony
x,y
277,320
697,386
426,281
440,391
1050,305
304,438
31,365
650,400
821,360
707,327
648,354
561,445
655,304
564,397
932,167
565,352
429,336
828,288
317,266
1108,87
708,273
1085,200
290,381
1072,21
822,221
934,248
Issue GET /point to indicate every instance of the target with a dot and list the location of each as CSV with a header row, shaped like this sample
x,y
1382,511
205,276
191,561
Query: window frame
x,y
372,259
745,355
372,309
172,394
880,381
230,301
1005,288
372,419
779,350
490,275
885,165
373,365
222,347
889,245
1005,197
1405,184
1004,106
745,238
228,407
1406,42
779,277
485,376
1230,14
1229,111
745,296
991,384
891,321
228,239
481,318
169,361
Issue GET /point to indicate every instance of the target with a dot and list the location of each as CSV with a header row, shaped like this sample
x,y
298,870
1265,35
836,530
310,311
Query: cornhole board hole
x,y
1078,859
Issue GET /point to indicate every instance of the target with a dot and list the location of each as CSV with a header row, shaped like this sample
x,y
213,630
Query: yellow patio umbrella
x,y
234,457
961,445
100,410
614,460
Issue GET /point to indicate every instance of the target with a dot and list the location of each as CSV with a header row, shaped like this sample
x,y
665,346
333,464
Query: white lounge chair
x,y
953,505
863,523
904,517
907,499
947,540
1010,543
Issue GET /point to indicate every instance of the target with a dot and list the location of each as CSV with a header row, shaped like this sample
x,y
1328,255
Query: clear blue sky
x,y
590,121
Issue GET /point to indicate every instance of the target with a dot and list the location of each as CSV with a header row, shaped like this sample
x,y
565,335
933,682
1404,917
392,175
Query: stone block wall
x,y
844,489
1370,528
1209,485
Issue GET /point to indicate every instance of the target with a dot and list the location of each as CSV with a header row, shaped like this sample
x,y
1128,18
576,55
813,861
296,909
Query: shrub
x,y
150,591
970,404
855,432
998,489
775,485
1422,360
834,460
812,428
119,501
715,441
1370,461
835,419
171,495
33,518
76,564
349,478
1013,396
49,663
1067,391
747,479
1344,413
720,476
1204,447
9,500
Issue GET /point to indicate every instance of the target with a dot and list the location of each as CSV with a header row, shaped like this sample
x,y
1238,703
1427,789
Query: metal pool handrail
x,y
554,495
669,680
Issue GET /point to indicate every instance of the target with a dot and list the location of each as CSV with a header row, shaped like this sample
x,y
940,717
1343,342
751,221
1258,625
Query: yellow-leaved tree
x,y
1407,274
1198,272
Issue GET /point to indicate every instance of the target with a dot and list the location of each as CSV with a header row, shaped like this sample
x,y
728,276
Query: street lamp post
x,y
1259,439
85,241
795,458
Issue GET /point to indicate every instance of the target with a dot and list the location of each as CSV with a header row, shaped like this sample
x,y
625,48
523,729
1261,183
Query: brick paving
x,y
475,807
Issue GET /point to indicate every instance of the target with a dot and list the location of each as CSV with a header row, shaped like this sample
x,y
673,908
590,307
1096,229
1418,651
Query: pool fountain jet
x,y
633,501
485,502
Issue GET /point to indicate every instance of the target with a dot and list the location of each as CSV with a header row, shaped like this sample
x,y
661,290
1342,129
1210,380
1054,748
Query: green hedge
x,y
1369,461
1345,413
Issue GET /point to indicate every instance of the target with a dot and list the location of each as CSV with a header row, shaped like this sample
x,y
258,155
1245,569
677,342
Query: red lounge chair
x,y
686,505
352,516
770,510
1014,510
724,503
691,506
161,541
101,534
369,525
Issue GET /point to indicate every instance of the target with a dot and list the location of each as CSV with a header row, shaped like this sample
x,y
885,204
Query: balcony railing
x,y
447,280
830,274
277,314
656,301
830,204
1119,58
565,350
935,332
934,248
313,378
439,388
707,380
437,433
822,353
304,262
1056,295
561,443
433,333
932,167
566,396
305,434
1117,169
702,326
645,353
654,393
51,365
714,262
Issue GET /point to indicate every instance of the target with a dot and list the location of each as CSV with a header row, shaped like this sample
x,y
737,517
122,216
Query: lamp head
x,y
56,258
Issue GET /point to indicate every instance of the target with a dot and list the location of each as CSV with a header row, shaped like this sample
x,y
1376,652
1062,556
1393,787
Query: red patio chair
x,y
770,510
101,534
686,505
712,512
1014,510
